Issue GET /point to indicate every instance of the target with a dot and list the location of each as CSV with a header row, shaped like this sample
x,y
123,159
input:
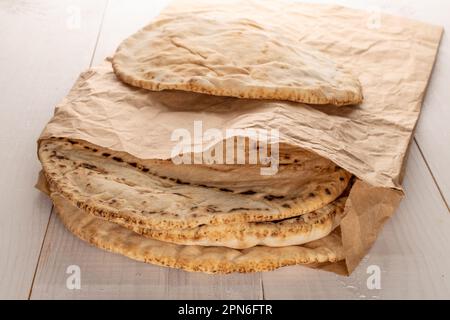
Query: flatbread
x,y
120,188
117,239
294,231
214,52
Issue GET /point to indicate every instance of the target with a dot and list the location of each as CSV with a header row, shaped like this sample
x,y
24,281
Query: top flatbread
x,y
219,54
120,187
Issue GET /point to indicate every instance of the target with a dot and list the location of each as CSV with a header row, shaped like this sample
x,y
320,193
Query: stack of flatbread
x,y
215,218
176,216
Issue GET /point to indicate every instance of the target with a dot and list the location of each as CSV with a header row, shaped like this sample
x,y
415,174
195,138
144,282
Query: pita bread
x,y
296,165
219,54
294,231
122,189
114,238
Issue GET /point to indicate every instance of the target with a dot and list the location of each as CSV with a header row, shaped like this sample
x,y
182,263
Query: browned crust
x,y
319,223
167,222
114,238
310,96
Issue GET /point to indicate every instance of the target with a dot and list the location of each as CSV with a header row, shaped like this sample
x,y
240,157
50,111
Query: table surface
x,y
46,44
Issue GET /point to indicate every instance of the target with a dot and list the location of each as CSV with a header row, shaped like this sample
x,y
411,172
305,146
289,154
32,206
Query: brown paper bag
x,y
393,60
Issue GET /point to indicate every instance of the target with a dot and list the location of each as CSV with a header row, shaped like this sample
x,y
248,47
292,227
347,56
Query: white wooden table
x,y
45,44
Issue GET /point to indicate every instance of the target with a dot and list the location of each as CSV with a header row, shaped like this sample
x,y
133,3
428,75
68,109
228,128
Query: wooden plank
x,y
43,50
411,253
433,132
106,275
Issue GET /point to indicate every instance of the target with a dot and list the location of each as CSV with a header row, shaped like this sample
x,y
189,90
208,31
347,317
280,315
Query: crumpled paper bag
x,y
393,60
